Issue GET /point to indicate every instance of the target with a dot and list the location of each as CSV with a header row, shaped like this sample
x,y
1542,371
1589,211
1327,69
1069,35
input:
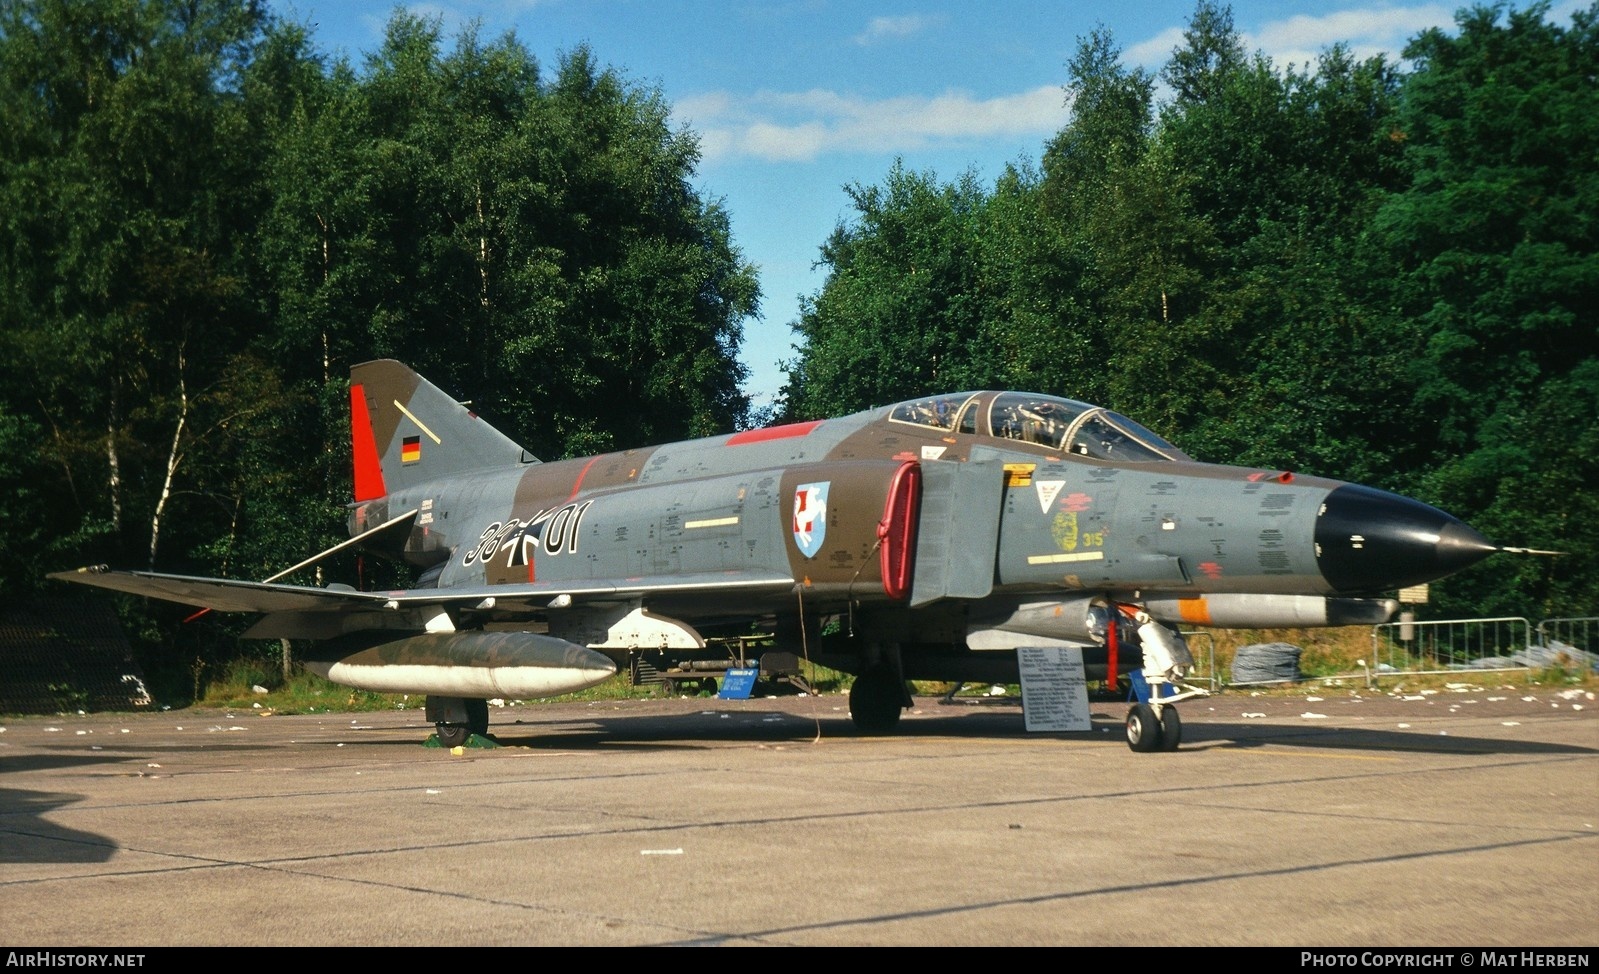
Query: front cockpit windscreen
x,y
1063,425
1076,428
938,412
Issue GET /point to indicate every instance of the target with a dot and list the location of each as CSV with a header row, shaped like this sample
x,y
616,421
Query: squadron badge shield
x,y
810,517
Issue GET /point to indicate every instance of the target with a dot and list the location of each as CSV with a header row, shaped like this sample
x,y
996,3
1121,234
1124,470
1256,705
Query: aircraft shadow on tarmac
x,y
26,836
682,730
1365,739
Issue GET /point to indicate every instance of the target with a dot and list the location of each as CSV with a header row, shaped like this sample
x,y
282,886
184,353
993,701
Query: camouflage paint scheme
x,y
938,535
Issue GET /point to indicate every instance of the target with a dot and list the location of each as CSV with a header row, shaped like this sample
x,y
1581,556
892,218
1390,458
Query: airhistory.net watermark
x,y
55,958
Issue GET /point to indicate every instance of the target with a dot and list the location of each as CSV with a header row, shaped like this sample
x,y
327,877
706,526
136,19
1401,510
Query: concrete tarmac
x,y
1356,818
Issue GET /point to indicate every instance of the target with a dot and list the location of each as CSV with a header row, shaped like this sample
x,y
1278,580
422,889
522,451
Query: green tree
x,y
1223,259
317,272
1041,332
649,306
30,548
901,313
1201,67
1090,169
1110,127
534,246
205,222
1493,241
124,159
1292,165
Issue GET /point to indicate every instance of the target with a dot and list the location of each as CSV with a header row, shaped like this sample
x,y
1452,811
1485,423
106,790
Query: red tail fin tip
x,y
368,469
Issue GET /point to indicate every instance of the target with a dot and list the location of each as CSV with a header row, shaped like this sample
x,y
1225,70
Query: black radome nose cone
x,y
1369,540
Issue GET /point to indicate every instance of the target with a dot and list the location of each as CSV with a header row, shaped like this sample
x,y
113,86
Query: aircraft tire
x,y
1143,728
875,702
1171,729
452,735
477,717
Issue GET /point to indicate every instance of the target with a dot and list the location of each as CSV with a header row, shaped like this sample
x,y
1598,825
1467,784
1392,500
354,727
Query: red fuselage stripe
x,y
576,486
773,433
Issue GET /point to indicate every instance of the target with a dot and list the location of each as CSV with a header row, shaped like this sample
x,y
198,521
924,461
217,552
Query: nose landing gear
x,y
1153,723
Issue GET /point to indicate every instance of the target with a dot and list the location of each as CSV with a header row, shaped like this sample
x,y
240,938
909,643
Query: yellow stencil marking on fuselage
x,y
710,522
419,424
1056,559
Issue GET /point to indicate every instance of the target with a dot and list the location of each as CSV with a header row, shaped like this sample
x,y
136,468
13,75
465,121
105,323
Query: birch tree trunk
x,y
174,457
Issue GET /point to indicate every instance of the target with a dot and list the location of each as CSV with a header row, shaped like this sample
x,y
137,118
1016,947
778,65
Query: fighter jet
x,y
926,540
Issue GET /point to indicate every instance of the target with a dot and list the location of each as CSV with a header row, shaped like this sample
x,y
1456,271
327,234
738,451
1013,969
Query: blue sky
x,y
794,99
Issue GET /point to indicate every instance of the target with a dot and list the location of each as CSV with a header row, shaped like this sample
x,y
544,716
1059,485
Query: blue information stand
x,y
739,683
1141,690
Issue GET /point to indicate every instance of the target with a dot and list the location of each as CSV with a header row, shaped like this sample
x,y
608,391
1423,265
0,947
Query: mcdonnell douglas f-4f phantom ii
x,y
940,535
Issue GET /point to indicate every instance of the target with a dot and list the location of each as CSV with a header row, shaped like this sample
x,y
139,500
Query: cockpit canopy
x,y
1064,425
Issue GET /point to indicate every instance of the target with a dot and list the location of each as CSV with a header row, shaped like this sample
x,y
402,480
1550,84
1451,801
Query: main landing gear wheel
x,y
1171,729
456,719
1143,728
875,701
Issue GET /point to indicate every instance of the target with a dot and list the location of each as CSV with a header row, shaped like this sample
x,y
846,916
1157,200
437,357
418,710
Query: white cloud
x,y
1301,39
887,28
800,126
1367,33
1151,55
778,143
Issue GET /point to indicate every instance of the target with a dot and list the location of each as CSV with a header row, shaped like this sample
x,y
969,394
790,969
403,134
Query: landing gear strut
x,y
1153,723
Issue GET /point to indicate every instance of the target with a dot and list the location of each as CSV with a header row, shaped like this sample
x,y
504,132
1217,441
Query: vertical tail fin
x,y
406,431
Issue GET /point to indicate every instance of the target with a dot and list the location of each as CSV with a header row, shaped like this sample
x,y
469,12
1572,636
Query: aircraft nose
x,y
1371,540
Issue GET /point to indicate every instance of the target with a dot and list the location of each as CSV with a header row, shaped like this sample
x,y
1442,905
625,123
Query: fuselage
x,y
1083,502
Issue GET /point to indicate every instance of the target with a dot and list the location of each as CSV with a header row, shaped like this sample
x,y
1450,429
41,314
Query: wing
x,y
222,594
231,595
298,611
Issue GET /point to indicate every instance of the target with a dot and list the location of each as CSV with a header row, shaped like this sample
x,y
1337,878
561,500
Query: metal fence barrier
x,y
1576,638
1204,664
1480,645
